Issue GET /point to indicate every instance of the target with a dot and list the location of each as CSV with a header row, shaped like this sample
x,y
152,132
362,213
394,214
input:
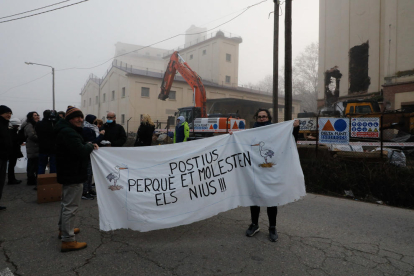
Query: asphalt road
x,y
317,236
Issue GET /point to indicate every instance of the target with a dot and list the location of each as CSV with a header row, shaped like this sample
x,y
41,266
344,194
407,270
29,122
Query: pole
x,y
53,79
276,62
128,126
288,60
381,136
53,76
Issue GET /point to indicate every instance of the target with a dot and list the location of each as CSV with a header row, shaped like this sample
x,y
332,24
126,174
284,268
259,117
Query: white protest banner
x,y
333,130
148,188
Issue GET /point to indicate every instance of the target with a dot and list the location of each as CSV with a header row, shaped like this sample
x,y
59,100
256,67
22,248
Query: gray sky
x,y
84,35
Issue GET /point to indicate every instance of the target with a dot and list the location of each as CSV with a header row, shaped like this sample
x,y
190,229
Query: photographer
x,y
47,147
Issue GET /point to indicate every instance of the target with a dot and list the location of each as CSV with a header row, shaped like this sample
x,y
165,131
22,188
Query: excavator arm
x,y
192,78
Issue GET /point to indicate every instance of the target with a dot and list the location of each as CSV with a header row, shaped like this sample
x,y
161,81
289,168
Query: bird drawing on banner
x,y
116,175
265,153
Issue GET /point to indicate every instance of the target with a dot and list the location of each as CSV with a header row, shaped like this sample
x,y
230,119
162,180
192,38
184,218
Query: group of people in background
x,y
65,140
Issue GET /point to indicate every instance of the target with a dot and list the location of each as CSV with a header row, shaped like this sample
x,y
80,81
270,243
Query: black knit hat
x,y
4,109
90,118
73,112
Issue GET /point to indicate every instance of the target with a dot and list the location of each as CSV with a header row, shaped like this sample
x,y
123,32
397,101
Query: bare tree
x,y
267,84
304,78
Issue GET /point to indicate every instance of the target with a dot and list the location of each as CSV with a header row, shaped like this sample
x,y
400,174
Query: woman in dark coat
x,y
145,131
32,146
263,118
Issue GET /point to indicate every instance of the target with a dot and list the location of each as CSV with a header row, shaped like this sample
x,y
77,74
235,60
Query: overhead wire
x,y
80,68
106,61
24,83
35,9
43,12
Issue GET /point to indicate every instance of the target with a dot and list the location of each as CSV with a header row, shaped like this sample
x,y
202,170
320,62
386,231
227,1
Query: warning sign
x,y
365,127
333,130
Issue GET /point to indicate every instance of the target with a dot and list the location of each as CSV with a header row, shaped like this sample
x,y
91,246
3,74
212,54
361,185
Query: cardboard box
x,y
46,179
48,190
49,193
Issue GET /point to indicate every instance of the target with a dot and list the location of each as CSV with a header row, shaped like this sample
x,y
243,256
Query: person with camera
x,y
46,140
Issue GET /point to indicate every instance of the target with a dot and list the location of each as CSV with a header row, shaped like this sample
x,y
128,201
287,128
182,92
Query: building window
x,y
359,81
104,97
145,92
84,103
90,101
96,100
227,79
172,95
228,57
122,119
113,95
123,92
191,56
204,52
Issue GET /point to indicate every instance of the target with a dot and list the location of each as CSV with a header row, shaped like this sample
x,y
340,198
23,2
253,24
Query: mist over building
x,y
131,85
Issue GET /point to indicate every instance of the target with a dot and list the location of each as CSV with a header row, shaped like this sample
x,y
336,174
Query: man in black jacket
x,y
16,151
72,154
114,133
46,141
6,145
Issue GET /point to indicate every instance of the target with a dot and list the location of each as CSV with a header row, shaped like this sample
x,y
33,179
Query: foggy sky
x,y
84,35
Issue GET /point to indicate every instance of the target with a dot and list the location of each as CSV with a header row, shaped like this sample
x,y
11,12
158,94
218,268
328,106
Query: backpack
x,y
21,137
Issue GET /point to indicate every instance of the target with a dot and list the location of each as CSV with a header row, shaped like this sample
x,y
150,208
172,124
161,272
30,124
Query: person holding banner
x,y
263,118
72,155
115,135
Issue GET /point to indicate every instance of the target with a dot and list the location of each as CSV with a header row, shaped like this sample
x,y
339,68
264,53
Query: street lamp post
x,y
53,78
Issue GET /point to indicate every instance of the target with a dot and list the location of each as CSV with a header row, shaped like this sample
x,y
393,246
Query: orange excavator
x,y
196,116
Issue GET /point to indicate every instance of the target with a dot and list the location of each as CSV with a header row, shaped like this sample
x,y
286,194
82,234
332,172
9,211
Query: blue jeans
x,y
44,158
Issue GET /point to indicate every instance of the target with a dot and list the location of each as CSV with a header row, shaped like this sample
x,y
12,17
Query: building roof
x,y
218,34
160,75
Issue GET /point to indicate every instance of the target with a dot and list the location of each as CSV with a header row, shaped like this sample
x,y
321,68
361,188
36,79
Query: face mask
x,y
109,121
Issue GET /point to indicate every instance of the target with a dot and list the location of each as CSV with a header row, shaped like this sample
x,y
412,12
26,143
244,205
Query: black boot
x,y
14,181
31,181
273,236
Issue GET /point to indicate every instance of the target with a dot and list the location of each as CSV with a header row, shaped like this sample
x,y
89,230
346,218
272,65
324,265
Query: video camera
x,y
50,115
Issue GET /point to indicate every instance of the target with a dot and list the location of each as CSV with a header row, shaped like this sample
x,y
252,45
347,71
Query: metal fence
x,y
363,136
362,157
